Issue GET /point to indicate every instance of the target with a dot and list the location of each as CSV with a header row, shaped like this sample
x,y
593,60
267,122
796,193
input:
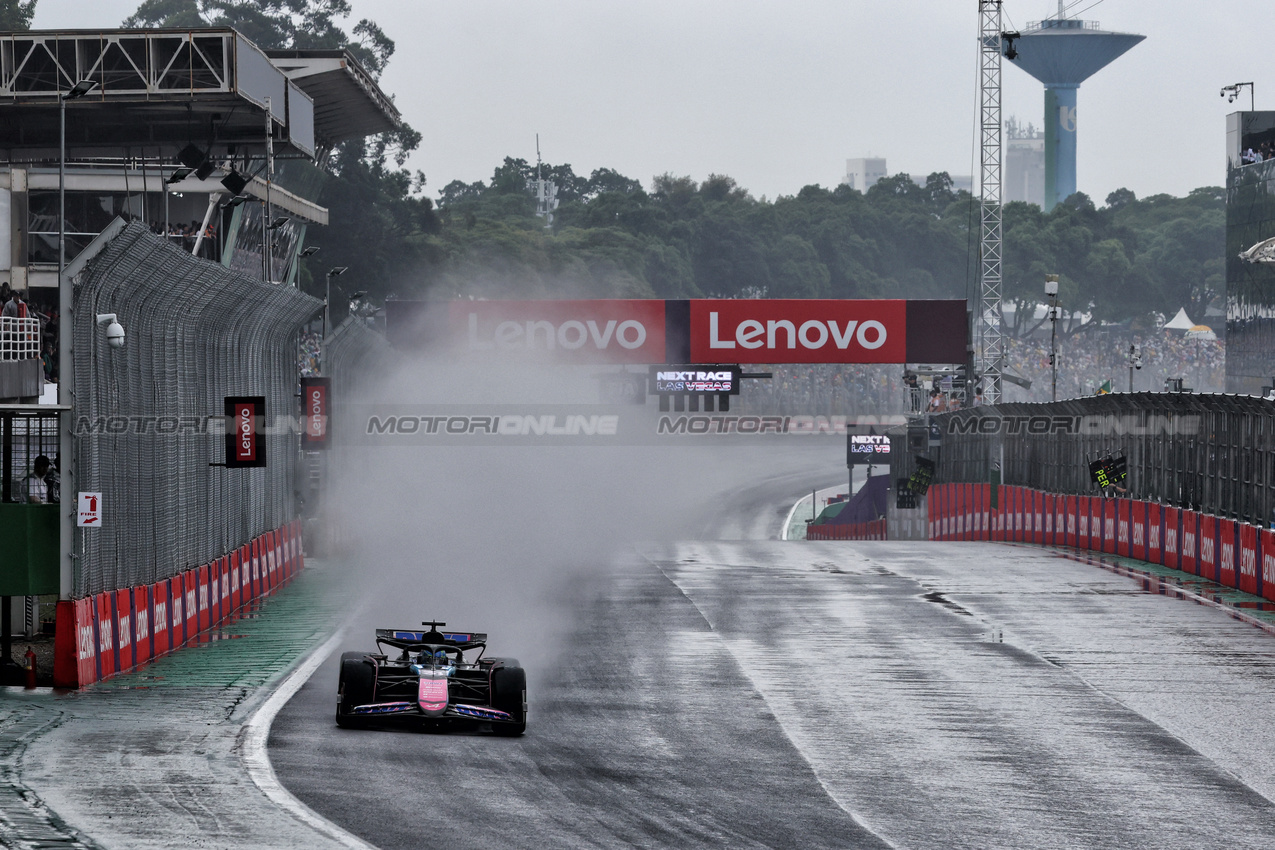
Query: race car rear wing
x,y
411,639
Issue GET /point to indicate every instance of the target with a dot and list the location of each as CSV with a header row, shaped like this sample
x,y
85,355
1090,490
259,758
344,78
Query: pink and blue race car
x,y
434,678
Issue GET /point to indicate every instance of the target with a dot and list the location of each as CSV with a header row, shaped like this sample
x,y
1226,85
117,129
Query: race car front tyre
x,y
509,694
357,684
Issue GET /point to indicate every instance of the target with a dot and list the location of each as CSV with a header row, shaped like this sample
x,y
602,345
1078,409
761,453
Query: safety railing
x,y
19,339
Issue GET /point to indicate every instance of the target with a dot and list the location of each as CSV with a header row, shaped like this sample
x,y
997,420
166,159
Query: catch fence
x,y
1210,453
149,416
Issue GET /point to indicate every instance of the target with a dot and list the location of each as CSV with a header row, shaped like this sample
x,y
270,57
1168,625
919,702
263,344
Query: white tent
x,y
1180,322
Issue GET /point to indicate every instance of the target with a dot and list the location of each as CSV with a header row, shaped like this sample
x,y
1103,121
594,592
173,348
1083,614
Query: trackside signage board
x,y
699,331
316,397
605,331
245,446
798,331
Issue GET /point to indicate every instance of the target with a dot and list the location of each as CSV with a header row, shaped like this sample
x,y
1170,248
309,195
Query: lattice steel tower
x,y
989,342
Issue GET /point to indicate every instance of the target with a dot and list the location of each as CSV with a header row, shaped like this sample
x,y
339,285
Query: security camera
x,y
114,330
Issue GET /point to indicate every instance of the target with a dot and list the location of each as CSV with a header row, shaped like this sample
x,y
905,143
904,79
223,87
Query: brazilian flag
x,y
1105,389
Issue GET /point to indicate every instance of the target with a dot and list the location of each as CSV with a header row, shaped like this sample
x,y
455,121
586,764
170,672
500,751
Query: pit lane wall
x,y
1230,552
873,530
119,630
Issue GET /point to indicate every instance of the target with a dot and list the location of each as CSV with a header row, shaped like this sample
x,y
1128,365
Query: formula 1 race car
x,y
431,681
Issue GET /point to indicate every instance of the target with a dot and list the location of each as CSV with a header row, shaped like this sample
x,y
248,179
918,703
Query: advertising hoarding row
x,y
700,331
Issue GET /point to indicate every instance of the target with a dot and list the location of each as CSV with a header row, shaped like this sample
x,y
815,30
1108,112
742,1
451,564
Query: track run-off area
x,y
725,689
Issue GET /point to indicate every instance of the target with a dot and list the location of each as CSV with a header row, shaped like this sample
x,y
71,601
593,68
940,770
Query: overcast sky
x,y
779,93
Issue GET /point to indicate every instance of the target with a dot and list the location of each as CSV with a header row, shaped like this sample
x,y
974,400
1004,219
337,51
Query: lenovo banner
x,y
695,331
245,418
798,331
316,398
568,331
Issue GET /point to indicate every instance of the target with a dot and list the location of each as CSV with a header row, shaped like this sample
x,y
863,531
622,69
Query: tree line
x,y
675,237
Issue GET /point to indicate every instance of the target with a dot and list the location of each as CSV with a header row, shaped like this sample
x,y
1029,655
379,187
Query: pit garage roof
x,y
348,104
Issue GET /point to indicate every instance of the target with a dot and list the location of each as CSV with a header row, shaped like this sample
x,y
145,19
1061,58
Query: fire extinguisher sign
x,y
89,514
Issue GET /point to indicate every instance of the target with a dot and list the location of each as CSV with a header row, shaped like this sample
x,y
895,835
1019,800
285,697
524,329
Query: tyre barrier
x,y
120,630
1228,552
874,530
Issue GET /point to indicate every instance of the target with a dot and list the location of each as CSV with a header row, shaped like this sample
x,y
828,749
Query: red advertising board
x,y
798,331
1227,537
124,628
203,597
1122,527
1266,586
1138,530
141,624
107,653
1050,501
1248,558
190,581
1071,524
161,619
316,395
1109,525
1206,547
1172,537
1187,548
603,331
1155,534
245,420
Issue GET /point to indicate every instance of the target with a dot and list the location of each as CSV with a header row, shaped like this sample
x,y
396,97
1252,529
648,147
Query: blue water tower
x,y
1062,53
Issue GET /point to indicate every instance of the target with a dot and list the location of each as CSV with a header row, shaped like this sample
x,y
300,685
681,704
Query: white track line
x,y
252,747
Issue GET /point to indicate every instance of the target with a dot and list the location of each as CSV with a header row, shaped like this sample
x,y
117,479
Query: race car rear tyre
x,y
509,694
357,686
504,662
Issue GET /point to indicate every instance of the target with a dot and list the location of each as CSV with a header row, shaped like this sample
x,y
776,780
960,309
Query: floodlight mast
x,y
990,342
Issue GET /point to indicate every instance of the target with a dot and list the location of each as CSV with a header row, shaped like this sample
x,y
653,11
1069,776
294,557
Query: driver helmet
x,y
440,658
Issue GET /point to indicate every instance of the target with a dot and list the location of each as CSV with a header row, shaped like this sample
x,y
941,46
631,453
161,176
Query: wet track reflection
x,y
768,694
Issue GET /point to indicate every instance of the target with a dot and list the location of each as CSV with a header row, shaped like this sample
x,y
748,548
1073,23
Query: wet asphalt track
x,y
766,694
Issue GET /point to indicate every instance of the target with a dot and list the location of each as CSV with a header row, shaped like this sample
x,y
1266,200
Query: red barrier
x,y
1022,514
75,643
967,512
107,654
1038,516
982,526
1109,526
203,598
141,625
1084,512
119,630
1248,558
1155,534
124,628
1048,538
958,512
996,515
177,612
161,619
1267,544
286,552
258,579
1138,530
1227,535
1189,549
1172,537
224,596
190,582
1122,527
1206,533
236,581
1069,520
